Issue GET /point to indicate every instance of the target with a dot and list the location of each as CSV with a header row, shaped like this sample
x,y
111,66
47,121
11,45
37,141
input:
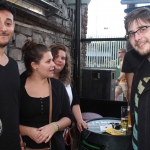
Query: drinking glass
x,y
124,118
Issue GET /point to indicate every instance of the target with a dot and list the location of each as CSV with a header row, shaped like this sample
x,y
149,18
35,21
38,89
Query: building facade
x,y
57,26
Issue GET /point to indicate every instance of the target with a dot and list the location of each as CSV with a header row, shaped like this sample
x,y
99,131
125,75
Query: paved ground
x,y
121,97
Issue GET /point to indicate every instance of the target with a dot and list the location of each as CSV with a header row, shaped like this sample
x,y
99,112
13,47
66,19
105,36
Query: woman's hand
x,y
22,148
46,133
81,124
33,133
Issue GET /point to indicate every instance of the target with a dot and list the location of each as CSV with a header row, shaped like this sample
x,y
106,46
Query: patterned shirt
x,y
140,89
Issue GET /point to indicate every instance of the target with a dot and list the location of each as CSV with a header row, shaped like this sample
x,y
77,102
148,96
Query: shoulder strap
x,y
50,102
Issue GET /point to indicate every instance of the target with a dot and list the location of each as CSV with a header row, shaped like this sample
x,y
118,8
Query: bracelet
x,y
55,125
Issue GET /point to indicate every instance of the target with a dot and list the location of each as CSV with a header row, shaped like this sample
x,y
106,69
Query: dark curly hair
x,y
32,52
4,5
65,74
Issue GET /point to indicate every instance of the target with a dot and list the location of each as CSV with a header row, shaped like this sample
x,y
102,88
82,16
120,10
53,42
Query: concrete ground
x,y
121,97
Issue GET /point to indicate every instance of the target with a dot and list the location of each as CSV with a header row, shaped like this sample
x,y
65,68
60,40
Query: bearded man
x,y
9,84
137,25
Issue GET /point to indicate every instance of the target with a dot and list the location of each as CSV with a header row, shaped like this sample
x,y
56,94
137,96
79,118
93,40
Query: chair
x,y
90,115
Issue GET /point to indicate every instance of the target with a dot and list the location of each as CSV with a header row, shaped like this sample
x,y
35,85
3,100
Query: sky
x,y
107,14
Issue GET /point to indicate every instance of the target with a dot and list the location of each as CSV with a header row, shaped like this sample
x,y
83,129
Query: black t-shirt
x,y
132,61
9,106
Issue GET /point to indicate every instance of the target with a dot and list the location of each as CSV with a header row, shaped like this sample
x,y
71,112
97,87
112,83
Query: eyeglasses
x,y
120,52
140,31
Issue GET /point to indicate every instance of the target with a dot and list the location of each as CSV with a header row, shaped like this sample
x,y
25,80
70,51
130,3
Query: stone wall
x,y
50,30
84,17
56,28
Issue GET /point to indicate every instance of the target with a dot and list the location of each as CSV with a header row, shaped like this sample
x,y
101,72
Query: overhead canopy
x,y
128,10
134,1
41,7
72,3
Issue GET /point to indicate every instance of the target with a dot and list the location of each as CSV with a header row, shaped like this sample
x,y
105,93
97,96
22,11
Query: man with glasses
x,y
137,25
121,84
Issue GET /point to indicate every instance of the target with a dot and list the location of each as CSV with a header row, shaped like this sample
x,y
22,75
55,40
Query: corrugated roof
x,y
128,10
134,1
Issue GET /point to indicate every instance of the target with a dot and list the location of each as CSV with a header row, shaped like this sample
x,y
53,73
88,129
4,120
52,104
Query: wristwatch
x,y
118,80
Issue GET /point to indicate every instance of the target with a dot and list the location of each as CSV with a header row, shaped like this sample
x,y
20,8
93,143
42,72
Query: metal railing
x,y
103,52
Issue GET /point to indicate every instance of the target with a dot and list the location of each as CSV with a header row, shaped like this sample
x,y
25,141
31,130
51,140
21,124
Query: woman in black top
x,y
34,103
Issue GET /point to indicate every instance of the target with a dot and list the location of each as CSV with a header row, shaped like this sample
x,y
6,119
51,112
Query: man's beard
x,y
2,45
147,51
144,55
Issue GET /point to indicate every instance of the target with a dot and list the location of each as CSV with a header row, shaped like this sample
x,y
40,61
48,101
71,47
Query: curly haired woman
x,y
62,72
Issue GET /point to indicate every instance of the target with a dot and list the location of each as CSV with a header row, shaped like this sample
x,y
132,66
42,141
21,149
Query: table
x,y
95,138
